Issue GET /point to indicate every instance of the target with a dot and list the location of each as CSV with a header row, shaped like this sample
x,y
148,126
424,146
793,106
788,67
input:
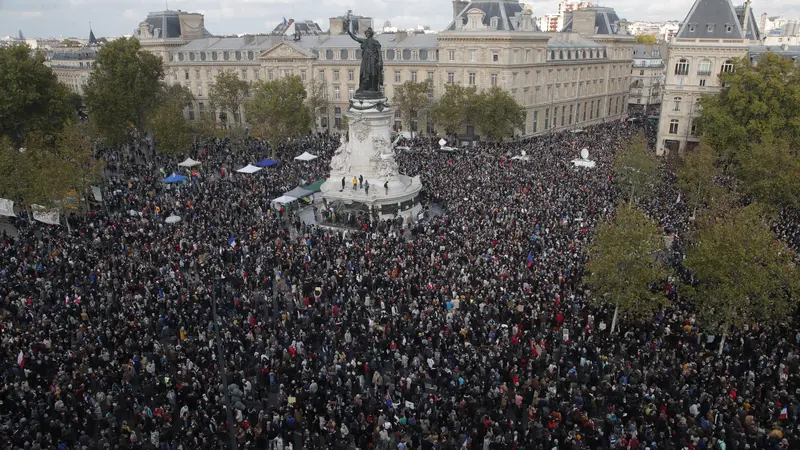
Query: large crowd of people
x,y
469,329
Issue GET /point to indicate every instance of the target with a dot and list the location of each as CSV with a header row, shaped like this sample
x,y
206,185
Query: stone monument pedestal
x,y
368,153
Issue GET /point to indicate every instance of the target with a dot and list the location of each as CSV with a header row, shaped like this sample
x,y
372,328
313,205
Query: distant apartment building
x,y
647,80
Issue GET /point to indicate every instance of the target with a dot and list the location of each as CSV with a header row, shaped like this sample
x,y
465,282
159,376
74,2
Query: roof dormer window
x,y
691,28
710,27
728,28
493,22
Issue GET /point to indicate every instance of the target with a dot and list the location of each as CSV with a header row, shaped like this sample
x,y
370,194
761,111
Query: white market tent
x,y
305,157
189,163
249,169
284,199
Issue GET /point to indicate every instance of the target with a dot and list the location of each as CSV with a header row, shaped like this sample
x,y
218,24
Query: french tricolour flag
x,y
21,359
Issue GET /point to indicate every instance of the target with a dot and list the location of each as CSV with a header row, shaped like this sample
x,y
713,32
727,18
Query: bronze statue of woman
x,y
371,77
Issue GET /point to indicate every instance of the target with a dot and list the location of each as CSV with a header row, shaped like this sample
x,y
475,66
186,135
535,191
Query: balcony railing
x,y
703,73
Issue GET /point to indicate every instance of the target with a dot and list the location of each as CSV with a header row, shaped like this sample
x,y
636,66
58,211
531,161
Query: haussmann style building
x,y
574,78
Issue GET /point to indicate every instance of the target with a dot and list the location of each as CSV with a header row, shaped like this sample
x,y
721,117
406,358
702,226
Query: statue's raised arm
x,y
349,32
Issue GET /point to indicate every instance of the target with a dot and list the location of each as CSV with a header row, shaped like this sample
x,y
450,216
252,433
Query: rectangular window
x,y
472,78
495,57
673,126
494,79
336,94
585,107
335,75
208,74
578,113
414,77
535,121
351,92
702,82
452,55
591,111
397,77
473,56
451,77
322,76
199,91
546,118
430,76
270,75
303,75
255,75
555,117
191,113
244,74
641,73
186,75
197,74
350,75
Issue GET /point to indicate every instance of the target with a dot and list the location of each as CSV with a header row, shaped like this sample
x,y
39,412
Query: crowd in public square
x,y
471,328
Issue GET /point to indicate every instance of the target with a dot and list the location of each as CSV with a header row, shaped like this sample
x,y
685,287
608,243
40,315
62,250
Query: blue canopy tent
x,y
266,162
174,178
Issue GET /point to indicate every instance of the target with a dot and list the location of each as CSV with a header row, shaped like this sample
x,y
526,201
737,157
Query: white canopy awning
x,y
305,157
249,169
284,199
189,163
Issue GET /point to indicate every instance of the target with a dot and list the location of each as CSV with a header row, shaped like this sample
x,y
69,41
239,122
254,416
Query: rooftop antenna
x,y
166,3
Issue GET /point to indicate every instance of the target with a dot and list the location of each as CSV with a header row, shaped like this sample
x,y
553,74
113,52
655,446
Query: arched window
x,y
704,68
423,55
344,54
328,54
191,56
406,55
561,54
250,55
727,67
180,56
358,54
673,126
203,56
390,55
213,56
682,67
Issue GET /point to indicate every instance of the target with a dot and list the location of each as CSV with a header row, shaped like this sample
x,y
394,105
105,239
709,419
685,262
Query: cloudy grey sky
x,y
116,17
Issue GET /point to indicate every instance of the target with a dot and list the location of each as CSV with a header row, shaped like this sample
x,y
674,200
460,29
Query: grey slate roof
x,y
387,40
606,20
504,10
712,19
169,22
82,53
579,42
641,51
788,51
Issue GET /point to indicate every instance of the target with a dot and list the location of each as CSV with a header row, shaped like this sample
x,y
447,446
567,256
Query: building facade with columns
x,y
568,79
713,35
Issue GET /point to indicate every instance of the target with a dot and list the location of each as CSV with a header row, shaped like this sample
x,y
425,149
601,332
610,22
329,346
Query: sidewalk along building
x,y
712,36
568,79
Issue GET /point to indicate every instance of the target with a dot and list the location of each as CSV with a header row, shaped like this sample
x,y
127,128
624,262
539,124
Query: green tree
x,y
30,96
695,178
770,173
636,168
227,94
498,114
458,106
411,99
623,264
269,115
316,101
31,177
743,275
758,103
172,132
122,90
647,39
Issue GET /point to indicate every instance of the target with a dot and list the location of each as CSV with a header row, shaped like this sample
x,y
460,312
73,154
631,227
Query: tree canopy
x,y
227,94
636,168
623,263
647,39
31,98
316,100
743,275
411,99
270,110
457,106
122,90
498,114
171,131
758,103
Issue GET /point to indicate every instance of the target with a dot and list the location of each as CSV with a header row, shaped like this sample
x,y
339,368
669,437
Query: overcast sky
x,y
117,17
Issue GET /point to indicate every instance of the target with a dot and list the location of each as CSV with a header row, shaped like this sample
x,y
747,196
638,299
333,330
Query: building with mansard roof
x,y
72,66
568,79
647,79
713,34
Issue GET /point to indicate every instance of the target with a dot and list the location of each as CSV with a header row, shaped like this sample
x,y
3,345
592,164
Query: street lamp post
x,y
223,367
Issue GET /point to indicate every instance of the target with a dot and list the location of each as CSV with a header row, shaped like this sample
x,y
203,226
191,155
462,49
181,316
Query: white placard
x,y
6,208
98,195
42,214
